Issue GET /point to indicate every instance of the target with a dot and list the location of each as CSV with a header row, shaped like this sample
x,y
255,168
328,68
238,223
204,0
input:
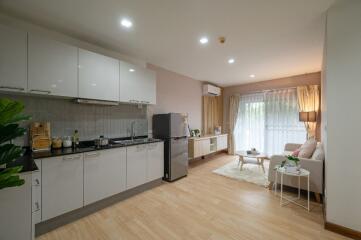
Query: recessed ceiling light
x,y
126,23
231,60
203,40
252,76
131,70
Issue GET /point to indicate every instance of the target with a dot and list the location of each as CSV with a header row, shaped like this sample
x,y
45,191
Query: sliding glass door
x,y
267,121
250,126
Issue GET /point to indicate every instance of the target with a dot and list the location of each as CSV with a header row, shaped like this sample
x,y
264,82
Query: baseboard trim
x,y
51,224
348,232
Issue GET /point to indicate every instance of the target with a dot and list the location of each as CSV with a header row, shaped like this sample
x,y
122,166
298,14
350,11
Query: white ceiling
x,y
268,38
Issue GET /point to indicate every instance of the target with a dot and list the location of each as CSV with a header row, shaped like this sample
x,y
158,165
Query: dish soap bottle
x,y
76,139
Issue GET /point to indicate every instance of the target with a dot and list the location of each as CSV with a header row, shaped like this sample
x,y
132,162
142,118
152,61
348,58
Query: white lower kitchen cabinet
x,y
104,174
155,160
15,211
136,165
62,185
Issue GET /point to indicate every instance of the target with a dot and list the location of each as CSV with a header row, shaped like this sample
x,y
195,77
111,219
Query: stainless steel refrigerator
x,y
172,128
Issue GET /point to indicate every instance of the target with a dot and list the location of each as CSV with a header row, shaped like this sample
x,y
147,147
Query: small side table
x,y
302,173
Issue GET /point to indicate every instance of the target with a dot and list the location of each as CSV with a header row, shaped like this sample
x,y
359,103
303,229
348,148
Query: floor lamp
x,y
307,117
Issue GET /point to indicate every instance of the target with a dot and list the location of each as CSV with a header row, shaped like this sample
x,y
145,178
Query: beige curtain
x,y
309,100
212,113
233,114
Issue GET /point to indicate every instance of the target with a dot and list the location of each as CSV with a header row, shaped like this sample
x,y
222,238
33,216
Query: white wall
x,y
178,93
343,78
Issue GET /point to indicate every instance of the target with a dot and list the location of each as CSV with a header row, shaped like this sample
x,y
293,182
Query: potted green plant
x,y
291,164
10,117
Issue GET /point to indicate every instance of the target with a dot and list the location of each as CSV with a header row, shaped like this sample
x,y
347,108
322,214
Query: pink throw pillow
x,y
296,152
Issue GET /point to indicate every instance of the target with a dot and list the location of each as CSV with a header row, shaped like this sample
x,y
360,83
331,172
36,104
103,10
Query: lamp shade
x,y
308,116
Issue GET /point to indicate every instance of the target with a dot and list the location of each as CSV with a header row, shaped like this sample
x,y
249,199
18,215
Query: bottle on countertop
x,y
76,139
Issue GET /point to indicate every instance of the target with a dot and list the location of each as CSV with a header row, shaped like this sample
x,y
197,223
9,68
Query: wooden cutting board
x,y
40,138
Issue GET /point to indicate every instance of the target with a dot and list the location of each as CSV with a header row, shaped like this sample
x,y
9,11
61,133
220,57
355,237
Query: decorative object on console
x,y
217,130
10,116
195,133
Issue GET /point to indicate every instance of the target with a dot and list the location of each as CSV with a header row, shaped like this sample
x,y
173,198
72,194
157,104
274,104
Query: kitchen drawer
x,y
36,198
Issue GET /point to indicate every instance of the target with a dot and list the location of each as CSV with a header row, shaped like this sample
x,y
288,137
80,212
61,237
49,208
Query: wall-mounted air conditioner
x,y
210,90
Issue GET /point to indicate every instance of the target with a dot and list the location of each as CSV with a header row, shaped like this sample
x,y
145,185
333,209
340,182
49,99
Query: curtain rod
x,y
266,90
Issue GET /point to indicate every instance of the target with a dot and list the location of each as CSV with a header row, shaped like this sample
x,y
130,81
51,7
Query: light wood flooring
x,y
201,206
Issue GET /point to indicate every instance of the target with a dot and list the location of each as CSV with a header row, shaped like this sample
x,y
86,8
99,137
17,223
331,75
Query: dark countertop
x,y
28,163
85,148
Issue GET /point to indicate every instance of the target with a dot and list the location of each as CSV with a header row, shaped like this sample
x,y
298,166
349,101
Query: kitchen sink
x,y
130,141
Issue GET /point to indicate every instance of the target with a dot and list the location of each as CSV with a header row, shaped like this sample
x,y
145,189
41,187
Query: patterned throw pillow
x,y
307,149
319,153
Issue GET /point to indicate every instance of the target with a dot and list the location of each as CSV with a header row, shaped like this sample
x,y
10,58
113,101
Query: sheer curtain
x,y
282,123
250,126
267,121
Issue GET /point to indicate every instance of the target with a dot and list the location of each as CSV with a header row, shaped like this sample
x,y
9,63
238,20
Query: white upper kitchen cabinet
x,y
98,76
53,67
104,174
62,185
13,59
155,161
137,84
136,165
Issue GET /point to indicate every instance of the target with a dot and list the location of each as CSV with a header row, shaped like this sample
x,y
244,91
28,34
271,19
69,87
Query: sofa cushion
x,y
307,149
287,153
319,153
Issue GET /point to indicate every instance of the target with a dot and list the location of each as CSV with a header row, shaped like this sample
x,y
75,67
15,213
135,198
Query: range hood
x,y
96,102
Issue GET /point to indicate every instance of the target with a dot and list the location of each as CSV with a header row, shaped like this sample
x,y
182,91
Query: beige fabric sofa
x,y
314,166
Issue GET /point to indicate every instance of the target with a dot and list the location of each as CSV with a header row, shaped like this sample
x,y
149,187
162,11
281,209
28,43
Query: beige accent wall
x,y
287,82
177,93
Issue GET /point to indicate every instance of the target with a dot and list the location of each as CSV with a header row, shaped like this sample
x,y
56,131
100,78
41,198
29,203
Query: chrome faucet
x,y
132,132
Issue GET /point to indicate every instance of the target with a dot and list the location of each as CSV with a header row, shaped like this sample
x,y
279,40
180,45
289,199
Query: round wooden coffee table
x,y
245,158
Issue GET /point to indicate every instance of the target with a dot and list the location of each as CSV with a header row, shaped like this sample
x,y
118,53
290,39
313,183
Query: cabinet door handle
x,y
96,154
37,206
37,182
40,91
13,88
71,157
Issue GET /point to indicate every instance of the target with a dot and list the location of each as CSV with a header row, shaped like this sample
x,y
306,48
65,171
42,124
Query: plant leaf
x,y
9,109
10,131
9,153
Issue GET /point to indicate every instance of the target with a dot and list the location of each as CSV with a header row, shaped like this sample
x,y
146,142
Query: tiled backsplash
x,y
90,120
